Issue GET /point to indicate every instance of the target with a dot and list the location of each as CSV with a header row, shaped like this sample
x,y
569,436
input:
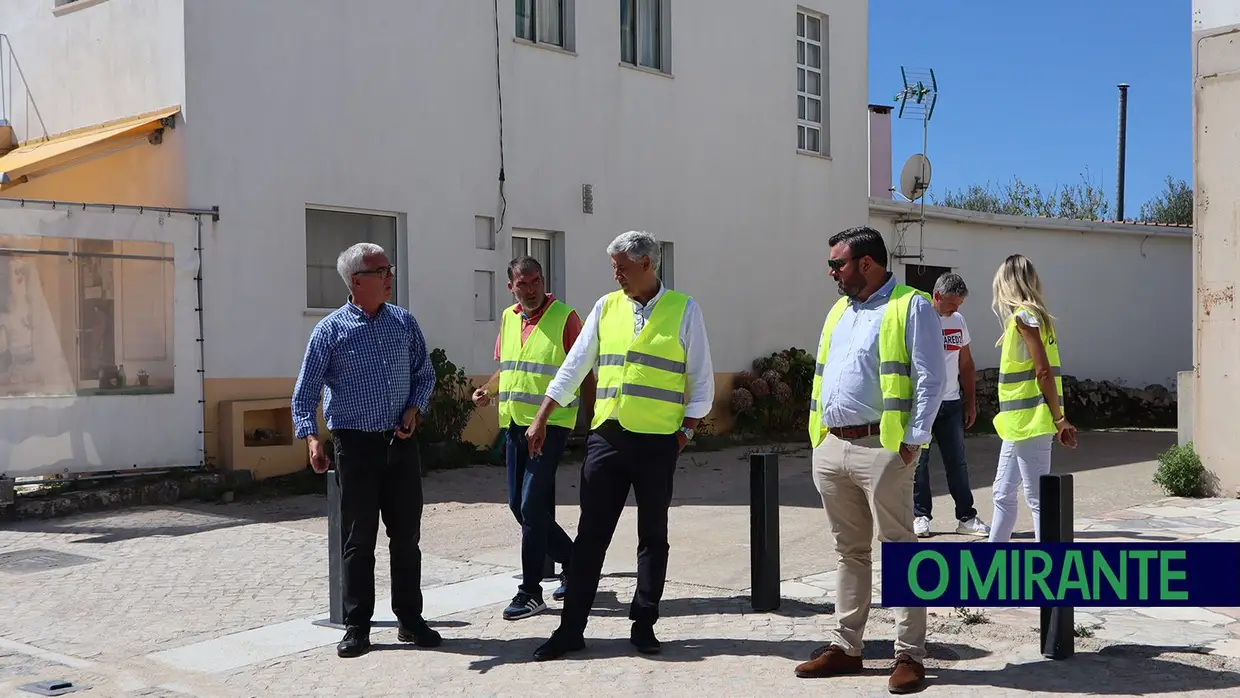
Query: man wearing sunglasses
x,y
876,390
371,357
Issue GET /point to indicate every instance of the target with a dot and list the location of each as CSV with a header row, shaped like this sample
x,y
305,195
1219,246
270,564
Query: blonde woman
x,y
1030,393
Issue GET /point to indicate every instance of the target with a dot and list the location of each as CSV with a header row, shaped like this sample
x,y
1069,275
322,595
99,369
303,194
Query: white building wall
x,y
1121,293
1216,146
392,106
91,61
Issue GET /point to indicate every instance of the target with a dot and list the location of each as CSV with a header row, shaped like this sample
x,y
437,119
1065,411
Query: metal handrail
x,y
6,89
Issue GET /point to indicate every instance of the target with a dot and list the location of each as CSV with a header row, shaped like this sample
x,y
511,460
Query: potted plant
x,y
144,378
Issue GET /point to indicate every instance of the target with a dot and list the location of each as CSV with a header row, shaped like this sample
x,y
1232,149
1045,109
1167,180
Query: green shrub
x,y
451,406
1181,474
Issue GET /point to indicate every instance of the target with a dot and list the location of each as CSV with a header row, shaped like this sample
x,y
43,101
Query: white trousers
x,y
1020,462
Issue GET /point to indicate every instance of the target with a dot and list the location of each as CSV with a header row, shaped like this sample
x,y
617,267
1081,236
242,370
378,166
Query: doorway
x,y
922,277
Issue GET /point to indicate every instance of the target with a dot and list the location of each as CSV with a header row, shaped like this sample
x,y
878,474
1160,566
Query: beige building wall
x,y
1216,149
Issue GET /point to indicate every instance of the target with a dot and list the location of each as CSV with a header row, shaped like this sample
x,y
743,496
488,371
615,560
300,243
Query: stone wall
x,y
1090,404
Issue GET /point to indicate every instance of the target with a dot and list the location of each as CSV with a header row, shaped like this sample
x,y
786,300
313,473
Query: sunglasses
x,y
838,264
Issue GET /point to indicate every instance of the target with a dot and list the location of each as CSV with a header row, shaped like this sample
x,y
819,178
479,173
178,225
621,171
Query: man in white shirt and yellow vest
x,y
876,389
535,336
655,383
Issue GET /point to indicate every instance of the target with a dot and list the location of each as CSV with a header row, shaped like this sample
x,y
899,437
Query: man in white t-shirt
x,y
956,413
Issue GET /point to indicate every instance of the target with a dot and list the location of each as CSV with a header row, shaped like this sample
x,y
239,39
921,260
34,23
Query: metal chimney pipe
x,y
1123,143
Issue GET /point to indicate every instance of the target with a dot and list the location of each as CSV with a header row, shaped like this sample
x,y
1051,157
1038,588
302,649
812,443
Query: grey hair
x,y
636,244
950,284
350,261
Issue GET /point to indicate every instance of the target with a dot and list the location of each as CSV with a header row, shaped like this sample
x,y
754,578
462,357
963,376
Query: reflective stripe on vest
x,y
642,379
1023,412
525,370
894,369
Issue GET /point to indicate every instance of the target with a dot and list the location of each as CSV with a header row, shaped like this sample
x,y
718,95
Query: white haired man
x,y
655,383
371,357
956,413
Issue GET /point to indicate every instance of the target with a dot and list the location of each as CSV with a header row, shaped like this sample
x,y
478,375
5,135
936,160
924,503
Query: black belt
x,y
855,432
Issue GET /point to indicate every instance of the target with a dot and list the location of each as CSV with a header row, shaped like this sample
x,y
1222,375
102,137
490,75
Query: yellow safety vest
x,y
645,377
526,370
1023,412
894,372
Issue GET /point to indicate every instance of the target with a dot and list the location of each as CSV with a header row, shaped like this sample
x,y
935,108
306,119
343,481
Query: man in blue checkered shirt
x,y
371,357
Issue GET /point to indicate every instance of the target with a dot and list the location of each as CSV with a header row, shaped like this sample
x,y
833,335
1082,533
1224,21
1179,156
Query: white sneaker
x,y
973,527
921,526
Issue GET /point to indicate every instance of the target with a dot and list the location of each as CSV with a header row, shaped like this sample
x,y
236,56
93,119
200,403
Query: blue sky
x,y
1029,90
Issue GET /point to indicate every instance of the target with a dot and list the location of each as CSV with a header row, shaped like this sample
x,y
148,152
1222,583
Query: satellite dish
x,y
915,177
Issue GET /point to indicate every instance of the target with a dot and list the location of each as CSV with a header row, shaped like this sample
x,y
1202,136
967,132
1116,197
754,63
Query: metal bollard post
x,y
335,554
764,531
1058,632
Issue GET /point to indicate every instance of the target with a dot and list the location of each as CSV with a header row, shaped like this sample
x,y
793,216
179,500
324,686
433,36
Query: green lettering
x,y
1038,578
970,575
1103,569
1015,578
1075,566
1166,575
1143,576
944,576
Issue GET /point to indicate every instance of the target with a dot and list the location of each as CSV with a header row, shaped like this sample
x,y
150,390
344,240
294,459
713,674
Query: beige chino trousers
x,y
863,487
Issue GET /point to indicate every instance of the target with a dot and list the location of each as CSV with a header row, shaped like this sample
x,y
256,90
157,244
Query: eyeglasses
x,y
384,272
838,264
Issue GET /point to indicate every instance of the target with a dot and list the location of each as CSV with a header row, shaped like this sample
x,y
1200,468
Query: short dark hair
x,y
951,284
524,265
862,241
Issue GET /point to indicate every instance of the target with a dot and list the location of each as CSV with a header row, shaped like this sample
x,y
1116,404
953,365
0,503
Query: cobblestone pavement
x,y
143,582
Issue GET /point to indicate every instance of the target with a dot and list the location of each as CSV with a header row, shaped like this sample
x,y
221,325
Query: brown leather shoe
x,y
909,676
830,661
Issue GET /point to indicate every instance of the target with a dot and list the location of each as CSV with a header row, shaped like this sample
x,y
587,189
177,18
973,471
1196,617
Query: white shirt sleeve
x,y
1028,318
965,338
701,378
580,360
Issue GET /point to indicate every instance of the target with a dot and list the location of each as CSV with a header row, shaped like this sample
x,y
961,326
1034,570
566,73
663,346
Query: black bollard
x,y
1058,628
548,563
764,531
335,554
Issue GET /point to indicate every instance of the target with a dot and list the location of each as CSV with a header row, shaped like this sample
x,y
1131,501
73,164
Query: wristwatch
x,y
687,432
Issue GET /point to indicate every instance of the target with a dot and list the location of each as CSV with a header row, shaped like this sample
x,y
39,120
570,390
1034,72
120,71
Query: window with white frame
x,y
330,232
546,22
644,34
540,246
667,264
812,126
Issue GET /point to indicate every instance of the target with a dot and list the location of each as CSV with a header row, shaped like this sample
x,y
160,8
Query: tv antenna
x,y
916,101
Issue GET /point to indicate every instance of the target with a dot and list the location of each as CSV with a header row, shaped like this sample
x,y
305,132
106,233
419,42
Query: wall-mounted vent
x,y
587,198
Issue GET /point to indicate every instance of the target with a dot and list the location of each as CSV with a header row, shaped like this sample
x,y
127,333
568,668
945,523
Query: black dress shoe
x,y
558,645
419,633
642,637
356,642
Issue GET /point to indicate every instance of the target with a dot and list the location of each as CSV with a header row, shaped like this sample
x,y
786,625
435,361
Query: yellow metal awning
x,y
34,157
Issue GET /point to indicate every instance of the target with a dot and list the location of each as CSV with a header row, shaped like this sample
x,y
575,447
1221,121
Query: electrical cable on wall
x,y
499,93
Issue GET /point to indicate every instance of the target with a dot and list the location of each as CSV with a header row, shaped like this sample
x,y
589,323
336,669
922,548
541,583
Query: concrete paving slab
x,y
215,600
